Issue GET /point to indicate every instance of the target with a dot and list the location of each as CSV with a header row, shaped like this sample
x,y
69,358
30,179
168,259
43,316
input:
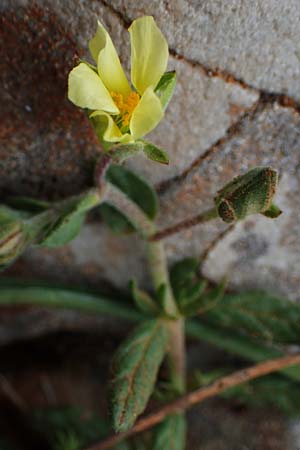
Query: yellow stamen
x,y
126,107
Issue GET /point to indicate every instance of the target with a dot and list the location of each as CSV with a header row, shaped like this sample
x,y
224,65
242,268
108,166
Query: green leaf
x,y
155,153
28,204
188,290
238,344
64,231
136,188
116,221
165,88
71,215
171,433
183,271
143,300
15,292
259,315
190,298
135,368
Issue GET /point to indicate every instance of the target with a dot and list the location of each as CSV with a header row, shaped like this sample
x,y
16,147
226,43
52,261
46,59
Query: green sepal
x,y
135,187
135,367
155,153
117,222
143,300
273,212
165,88
119,153
99,124
14,239
171,433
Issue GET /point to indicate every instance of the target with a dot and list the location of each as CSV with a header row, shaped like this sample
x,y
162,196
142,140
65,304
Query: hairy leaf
x,y
170,434
259,315
155,153
135,368
119,153
137,189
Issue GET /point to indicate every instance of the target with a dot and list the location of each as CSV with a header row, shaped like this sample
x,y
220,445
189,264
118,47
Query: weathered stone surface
x,y
199,114
257,41
261,253
54,149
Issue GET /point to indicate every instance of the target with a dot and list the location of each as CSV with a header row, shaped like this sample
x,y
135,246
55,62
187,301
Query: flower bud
x,y
12,242
247,194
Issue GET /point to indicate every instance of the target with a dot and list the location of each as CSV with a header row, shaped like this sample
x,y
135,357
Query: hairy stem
x,y
199,395
160,276
203,217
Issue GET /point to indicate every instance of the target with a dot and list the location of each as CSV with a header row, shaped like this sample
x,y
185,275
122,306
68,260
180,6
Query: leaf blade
x,y
135,366
137,189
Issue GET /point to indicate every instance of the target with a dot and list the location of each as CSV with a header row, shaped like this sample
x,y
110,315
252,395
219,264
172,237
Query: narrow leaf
x,y
135,368
171,433
135,187
259,315
155,153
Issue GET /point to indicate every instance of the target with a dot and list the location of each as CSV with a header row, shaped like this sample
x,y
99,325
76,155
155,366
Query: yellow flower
x,y
127,112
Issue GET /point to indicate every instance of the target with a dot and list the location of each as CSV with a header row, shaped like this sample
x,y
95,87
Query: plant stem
x,y
199,395
160,276
203,217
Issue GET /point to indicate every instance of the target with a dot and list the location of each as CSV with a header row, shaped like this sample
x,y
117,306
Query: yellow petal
x,y
146,115
112,132
149,53
87,90
109,66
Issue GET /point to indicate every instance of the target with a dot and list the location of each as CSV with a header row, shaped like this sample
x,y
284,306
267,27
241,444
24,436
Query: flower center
x,y
126,107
